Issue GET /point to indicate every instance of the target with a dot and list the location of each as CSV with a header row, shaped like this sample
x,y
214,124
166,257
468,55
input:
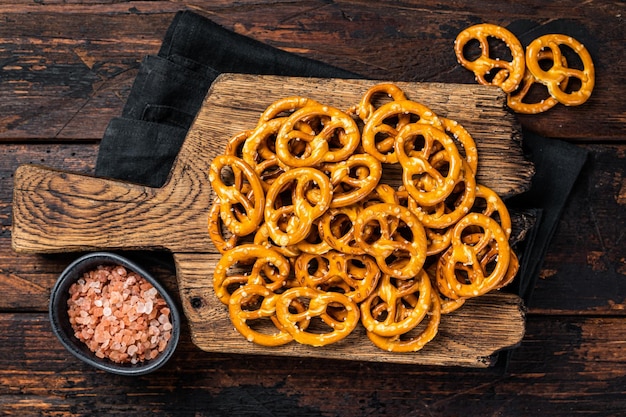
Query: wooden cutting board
x,y
56,211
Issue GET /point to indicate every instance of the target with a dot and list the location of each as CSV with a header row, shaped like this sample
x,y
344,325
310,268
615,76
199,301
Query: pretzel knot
x,y
415,145
353,179
416,338
399,248
289,224
365,108
448,212
397,305
477,260
326,134
355,276
554,77
492,71
252,303
232,197
329,316
382,128
516,99
249,264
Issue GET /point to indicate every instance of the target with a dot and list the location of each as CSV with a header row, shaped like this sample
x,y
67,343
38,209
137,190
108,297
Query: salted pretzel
x,y
355,276
335,140
301,212
435,185
336,313
462,136
285,107
506,74
378,133
385,312
336,227
222,242
416,338
365,108
468,258
516,99
231,195
493,206
554,77
449,212
264,266
353,179
386,242
242,315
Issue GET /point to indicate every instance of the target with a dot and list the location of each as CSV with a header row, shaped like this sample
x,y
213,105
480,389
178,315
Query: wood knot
x,y
196,302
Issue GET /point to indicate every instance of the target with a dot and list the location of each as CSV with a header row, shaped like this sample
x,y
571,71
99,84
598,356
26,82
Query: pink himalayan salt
x,y
119,315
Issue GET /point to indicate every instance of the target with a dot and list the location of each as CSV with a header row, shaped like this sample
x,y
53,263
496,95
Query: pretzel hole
x,y
227,176
317,267
380,98
299,148
340,225
462,275
270,173
536,93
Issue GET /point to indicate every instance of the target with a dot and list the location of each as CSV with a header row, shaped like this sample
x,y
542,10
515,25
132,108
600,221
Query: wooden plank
x,y
81,58
572,365
55,211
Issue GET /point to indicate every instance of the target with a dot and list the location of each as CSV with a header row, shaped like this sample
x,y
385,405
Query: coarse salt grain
x,y
119,315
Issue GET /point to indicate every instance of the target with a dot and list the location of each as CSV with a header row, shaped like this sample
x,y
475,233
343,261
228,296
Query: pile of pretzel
x,y
543,63
314,242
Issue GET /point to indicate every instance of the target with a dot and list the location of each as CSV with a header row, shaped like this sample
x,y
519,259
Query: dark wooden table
x,y
65,71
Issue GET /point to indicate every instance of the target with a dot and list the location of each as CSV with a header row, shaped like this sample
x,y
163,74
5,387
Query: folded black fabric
x,y
169,90
141,146
557,166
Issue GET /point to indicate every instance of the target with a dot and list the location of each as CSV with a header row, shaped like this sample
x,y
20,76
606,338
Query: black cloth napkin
x,y
141,145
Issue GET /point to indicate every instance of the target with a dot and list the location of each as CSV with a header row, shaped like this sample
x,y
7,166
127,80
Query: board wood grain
x,y
56,211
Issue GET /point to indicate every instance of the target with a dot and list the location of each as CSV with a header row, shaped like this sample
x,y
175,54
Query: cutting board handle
x,y
56,211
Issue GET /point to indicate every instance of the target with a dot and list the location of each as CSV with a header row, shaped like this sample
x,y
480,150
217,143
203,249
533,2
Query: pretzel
x,y
408,255
409,342
365,108
377,133
515,99
335,140
221,242
336,227
461,135
466,256
241,315
493,205
509,73
269,268
558,73
385,312
336,312
285,106
301,212
355,276
230,195
449,212
260,143
353,179
434,186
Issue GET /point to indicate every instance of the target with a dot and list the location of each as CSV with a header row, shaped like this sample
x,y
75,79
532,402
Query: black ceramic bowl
x,y
59,317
